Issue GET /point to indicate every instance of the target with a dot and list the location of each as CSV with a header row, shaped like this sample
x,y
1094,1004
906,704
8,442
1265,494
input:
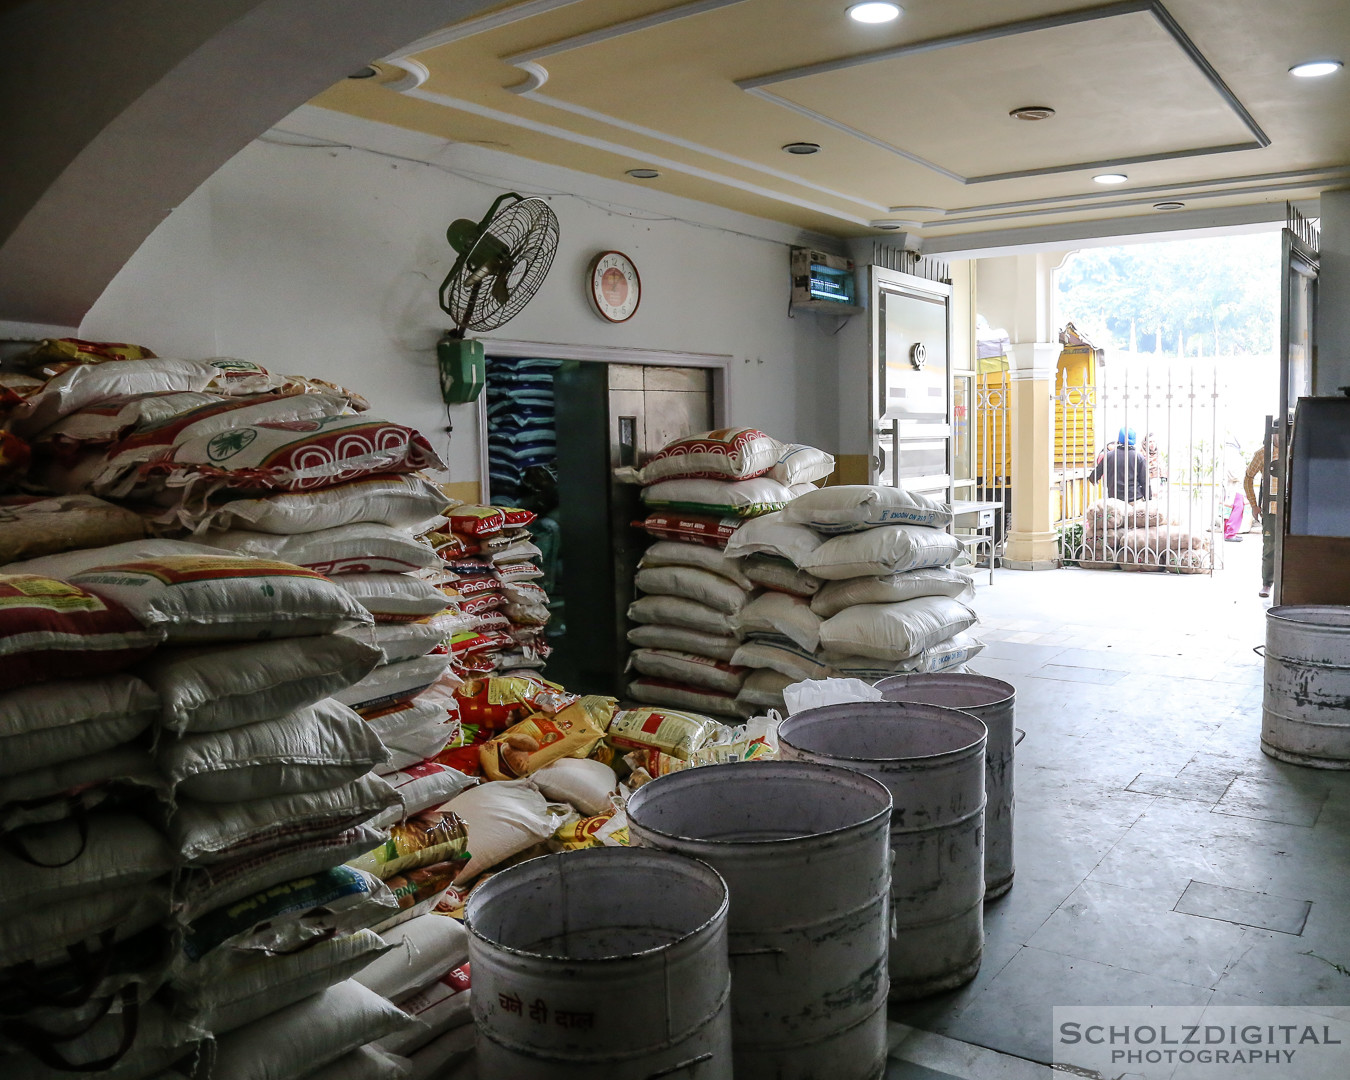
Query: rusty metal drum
x,y
994,702
932,761
609,962
1305,716
803,849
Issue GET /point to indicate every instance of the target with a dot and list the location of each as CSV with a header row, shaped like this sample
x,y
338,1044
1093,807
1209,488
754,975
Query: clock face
x,y
615,286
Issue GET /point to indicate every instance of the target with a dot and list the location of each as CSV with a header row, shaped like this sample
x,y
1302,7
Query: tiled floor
x,y
1161,857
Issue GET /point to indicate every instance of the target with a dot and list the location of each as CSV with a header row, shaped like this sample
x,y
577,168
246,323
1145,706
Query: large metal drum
x,y
610,962
1306,715
994,702
803,849
932,761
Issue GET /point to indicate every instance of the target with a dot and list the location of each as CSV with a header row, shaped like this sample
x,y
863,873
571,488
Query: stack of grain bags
x,y
699,491
486,566
1140,536
270,778
876,565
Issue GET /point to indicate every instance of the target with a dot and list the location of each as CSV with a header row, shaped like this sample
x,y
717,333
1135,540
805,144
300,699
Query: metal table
x,y
983,518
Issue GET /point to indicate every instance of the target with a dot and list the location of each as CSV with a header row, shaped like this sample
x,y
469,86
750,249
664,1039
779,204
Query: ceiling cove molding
x,y
1183,189
619,29
481,25
698,148
1259,139
556,132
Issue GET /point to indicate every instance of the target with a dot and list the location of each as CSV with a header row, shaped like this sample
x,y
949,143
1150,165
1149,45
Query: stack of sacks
x,y
1140,536
85,878
270,788
699,490
520,411
486,568
892,603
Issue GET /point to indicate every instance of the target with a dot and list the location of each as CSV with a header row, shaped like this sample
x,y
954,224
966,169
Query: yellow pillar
x,y
1031,542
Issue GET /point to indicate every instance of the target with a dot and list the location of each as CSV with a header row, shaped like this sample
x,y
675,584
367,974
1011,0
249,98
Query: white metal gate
x,y
1173,411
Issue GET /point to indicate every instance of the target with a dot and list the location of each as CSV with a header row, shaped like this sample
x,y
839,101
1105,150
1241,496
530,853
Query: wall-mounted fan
x,y
502,262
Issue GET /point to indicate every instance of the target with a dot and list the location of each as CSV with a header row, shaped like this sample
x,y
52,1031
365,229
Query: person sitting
x,y
1124,467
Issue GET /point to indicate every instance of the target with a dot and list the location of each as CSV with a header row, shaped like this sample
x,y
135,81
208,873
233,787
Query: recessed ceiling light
x,y
1110,178
874,12
1032,112
1313,69
643,174
366,72
889,226
802,148
1168,205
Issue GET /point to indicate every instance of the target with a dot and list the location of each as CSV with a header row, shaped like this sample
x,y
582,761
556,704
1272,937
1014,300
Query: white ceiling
x,y
1192,100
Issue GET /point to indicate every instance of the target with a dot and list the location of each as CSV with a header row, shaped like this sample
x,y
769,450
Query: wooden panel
x,y
1315,570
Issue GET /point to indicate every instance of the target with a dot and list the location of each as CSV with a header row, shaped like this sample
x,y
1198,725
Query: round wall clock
x,y
615,287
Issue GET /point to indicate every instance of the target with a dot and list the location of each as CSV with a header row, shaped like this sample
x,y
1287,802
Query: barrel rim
x,y
851,775
573,858
1289,613
955,678
784,737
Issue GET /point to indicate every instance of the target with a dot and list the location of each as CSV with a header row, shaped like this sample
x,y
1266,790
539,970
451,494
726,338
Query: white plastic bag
x,y
815,693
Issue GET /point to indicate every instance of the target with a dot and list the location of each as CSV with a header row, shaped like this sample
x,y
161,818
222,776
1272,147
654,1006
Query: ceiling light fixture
x,y
1110,178
1032,112
801,149
1168,205
643,174
366,72
873,13
1315,69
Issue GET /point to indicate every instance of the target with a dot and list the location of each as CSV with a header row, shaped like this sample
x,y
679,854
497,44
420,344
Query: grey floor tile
x,y
1198,788
1276,969
1063,673
1114,659
897,1069
1014,1016
1244,908
1288,800
1138,930
1019,652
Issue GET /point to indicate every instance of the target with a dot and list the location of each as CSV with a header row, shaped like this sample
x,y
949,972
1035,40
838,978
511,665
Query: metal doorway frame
x,y
718,363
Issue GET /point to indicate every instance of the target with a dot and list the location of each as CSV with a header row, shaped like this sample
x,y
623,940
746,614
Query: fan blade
x,y
500,292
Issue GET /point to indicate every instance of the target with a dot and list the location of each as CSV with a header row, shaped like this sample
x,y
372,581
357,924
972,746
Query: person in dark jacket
x,y
1124,467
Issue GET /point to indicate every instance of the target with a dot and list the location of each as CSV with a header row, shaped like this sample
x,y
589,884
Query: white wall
x,y
1333,295
325,261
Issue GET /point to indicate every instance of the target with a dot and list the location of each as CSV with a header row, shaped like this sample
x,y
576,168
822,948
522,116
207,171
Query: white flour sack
x,y
50,863
204,688
225,598
929,581
944,656
764,688
390,684
780,575
314,748
407,501
308,1035
784,657
651,636
702,586
583,782
502,818
894,631
393,597
43,932
678,553
679,611
398,641
798,464
208,833
675,695
687,668
857,506
67,563
887,549
58,721
773,534
783,614
423,950
362,548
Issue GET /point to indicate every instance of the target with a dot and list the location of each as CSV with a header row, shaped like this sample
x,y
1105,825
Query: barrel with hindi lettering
x,y
610,962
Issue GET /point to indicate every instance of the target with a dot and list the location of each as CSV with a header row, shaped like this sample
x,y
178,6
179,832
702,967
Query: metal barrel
x,y
1305,719
803,849
994,702
931,760
610,962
